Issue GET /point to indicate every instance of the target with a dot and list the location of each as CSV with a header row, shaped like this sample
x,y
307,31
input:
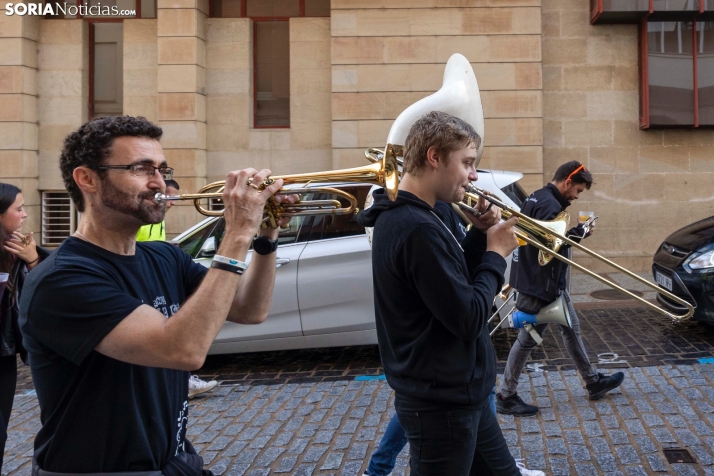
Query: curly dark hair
x,y
92,143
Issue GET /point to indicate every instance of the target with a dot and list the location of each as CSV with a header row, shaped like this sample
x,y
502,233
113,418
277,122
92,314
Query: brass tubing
x,y
509,212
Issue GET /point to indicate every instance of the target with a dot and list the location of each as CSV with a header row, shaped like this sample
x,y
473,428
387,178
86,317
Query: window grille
x,y
58,218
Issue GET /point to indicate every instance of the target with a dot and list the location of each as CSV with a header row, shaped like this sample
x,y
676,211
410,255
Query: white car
x,y
323,288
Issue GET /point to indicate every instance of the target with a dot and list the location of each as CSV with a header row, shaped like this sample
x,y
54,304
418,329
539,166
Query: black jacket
x,y
10,337
432,300
529,277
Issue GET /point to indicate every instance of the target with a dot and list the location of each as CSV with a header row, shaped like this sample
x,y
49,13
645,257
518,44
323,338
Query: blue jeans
x,y
394,440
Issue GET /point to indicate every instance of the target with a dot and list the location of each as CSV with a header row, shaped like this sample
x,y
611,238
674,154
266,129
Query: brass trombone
x,y
549,240
383,173
549,237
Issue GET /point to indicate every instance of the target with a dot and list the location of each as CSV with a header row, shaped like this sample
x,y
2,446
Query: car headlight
x,y
701,261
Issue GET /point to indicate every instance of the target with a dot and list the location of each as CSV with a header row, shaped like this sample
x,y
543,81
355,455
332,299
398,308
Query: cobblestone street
x,y
323,411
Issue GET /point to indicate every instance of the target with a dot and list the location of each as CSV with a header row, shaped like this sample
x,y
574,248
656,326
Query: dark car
x,y
684,265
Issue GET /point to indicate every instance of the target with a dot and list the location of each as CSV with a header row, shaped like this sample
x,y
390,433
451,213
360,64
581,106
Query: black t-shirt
x,y
100,414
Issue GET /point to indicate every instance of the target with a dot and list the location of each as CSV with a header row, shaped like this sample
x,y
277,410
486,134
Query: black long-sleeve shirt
x,y
432,302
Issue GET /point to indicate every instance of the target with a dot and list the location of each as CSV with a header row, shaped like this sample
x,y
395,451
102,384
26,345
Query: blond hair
x,y
440,130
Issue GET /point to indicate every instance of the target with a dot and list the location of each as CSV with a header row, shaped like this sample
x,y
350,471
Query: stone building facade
x,y
554,88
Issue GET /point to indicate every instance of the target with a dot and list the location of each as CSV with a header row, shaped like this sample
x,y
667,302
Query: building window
x,y
106,68
58,218
271,77
677,74
271,50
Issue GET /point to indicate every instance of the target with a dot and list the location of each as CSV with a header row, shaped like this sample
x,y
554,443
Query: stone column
x,y
18,110
63,91
182,98
140,64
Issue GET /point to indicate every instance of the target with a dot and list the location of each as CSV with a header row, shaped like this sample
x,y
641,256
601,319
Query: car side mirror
x,y
208,250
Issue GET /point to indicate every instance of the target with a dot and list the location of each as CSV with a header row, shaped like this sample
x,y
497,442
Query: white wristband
x,y
230,261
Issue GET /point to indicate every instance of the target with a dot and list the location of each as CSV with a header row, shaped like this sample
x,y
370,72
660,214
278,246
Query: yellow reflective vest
x,y
155,232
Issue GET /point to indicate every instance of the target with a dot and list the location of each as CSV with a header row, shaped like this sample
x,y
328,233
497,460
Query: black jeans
x,y
454,440
8,380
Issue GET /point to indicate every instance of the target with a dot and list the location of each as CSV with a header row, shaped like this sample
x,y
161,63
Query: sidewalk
x,y
331,428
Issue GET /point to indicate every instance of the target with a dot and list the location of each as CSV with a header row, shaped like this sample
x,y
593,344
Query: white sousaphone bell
x,y
458,96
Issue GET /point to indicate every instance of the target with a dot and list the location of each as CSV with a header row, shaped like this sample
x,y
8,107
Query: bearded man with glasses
x,y
113,326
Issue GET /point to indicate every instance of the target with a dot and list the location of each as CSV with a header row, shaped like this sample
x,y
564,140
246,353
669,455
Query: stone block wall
x,y
181,106
18,110
647,183
388,54
140,68
233,143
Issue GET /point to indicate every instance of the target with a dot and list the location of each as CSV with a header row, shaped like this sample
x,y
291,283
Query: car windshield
x,y
516,193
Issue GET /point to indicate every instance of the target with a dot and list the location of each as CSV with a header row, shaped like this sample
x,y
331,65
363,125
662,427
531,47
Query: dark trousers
x,y
8,380
454,440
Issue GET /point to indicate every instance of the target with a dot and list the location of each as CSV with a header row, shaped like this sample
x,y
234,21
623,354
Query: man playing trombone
x,y
539,285
113,326
432,302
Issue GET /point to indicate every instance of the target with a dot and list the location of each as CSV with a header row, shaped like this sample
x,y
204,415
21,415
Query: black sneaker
x,y
604,384
515,406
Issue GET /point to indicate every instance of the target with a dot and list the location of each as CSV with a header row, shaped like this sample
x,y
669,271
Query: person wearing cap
x,y
538,286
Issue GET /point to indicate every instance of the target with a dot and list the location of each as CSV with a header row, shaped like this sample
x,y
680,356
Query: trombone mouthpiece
x,y
160,197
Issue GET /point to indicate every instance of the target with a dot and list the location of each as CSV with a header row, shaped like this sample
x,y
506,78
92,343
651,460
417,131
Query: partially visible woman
x,y
18,255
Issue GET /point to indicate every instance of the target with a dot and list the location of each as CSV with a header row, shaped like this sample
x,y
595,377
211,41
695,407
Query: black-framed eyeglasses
x,y
146,170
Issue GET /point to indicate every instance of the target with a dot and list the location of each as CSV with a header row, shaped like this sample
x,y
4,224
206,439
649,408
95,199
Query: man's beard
x,y
122,202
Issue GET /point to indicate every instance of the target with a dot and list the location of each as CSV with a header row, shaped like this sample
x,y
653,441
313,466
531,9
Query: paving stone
x,y
586,469
314,453
532,443
684,469
645,444
535,460
270,455
342,442
600,445
530,425
298,446
609,421
627,454
305,470
634,427
237,470
235,448
592,428
557,446
333,461
579,453
358,451
618,437
606,461
656,463
324,437
332,423
574,437
351,468
651,419
663,435
705,458
636,471
551,429
559,466
511,437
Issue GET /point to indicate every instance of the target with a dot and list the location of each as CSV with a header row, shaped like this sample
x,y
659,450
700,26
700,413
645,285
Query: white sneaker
x,y
527,472
196,386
